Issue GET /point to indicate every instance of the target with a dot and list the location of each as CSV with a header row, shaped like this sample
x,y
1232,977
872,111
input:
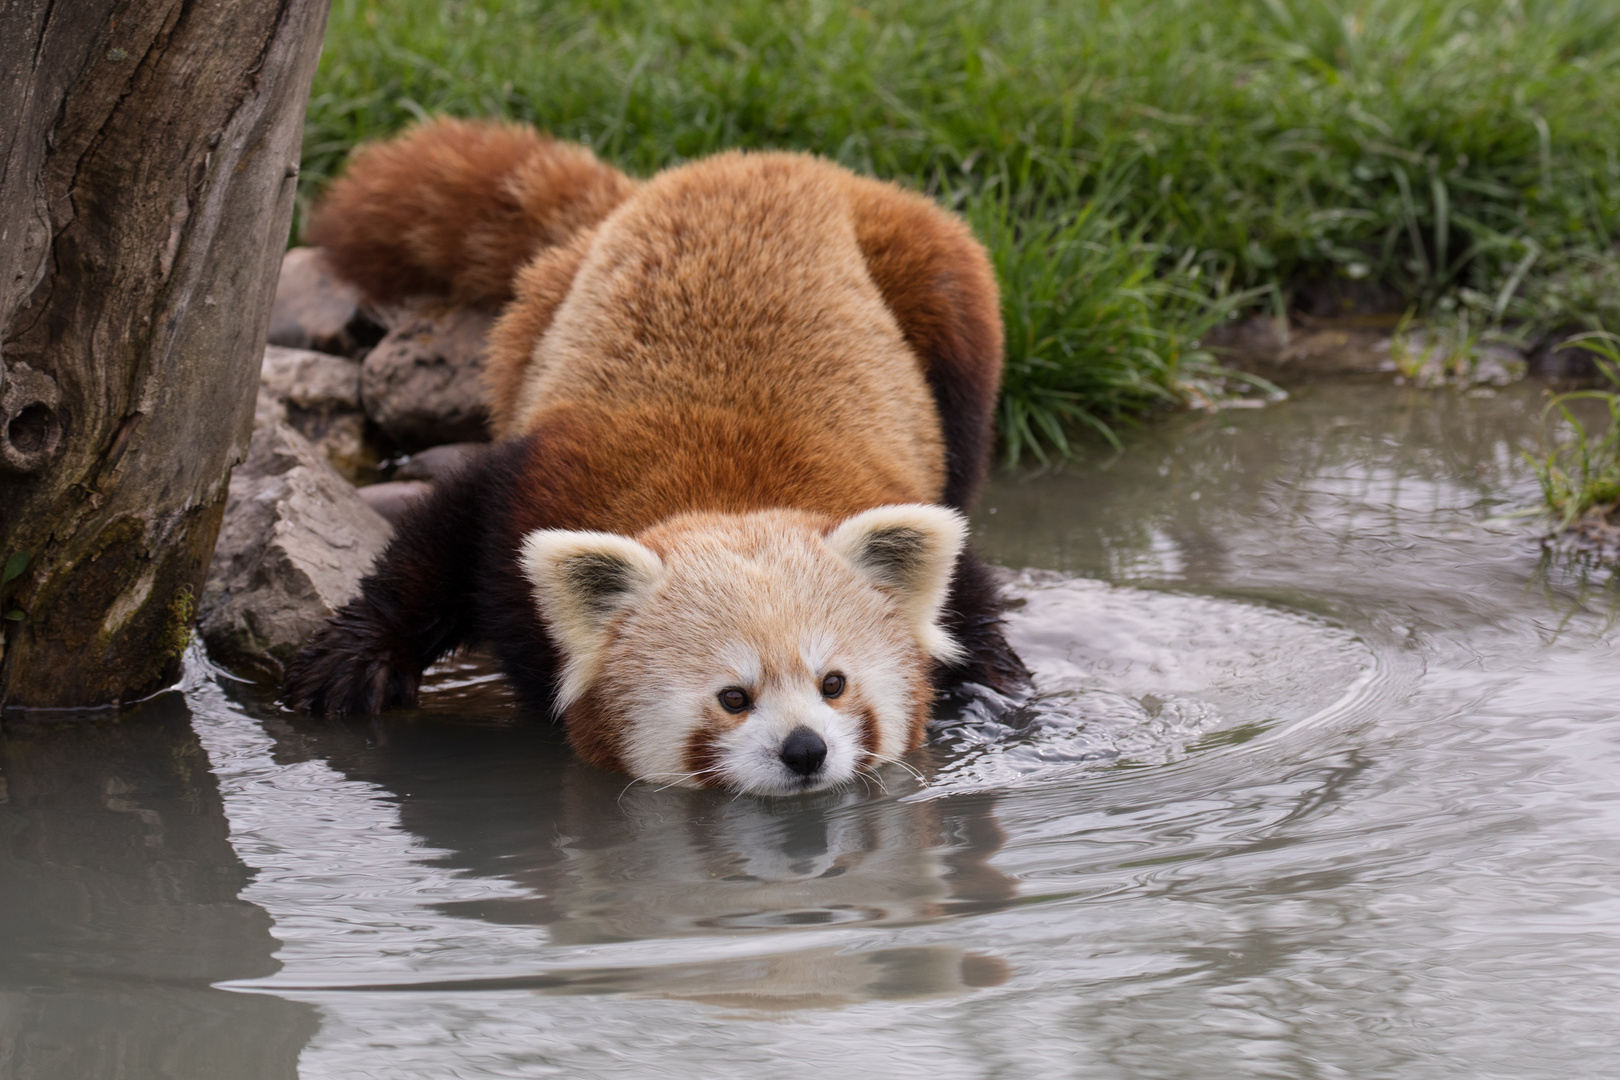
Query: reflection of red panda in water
x,y
729,400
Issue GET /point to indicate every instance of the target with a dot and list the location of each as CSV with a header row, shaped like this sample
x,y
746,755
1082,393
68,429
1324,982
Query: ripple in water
x,y
1133,676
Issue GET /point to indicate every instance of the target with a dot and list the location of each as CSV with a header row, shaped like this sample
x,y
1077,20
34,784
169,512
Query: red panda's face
x,y
770,653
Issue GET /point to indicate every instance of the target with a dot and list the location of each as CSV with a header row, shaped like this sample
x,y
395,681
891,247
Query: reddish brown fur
x,y
482,212
748,333
936,279
454,209
630,469
703,756
736,285
594,731
541,285
869,730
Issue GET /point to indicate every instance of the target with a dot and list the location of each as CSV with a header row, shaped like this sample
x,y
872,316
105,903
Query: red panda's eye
x,y
733,699
832,685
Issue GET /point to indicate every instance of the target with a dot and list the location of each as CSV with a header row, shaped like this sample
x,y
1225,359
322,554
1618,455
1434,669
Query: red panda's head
x,y
771,653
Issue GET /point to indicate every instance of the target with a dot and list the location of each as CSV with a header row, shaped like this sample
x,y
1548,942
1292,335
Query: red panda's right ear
x,y
910,551
581,581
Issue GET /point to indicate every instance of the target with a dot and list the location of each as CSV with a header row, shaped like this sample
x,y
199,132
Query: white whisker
x,y
677,778
879,759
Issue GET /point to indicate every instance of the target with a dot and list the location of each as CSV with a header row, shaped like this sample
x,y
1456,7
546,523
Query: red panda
x,y
741,408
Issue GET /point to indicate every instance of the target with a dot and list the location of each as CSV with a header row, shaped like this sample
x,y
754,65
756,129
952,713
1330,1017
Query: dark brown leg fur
x,y
973,611
449,578
416,605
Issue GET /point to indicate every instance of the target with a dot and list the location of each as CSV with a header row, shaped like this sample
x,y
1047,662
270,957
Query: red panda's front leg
x,y
418,603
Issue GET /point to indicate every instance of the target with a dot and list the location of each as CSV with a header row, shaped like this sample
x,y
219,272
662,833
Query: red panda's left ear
x,y
909,550
581,581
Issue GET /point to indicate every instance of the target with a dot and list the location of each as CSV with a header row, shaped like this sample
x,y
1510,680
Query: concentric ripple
x,y
1134,676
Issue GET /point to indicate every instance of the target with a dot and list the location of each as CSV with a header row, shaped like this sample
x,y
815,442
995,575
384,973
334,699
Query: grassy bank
x,y
1137,169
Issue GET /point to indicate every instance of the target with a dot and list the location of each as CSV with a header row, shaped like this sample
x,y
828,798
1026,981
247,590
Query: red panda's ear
x,y
908,550
581,581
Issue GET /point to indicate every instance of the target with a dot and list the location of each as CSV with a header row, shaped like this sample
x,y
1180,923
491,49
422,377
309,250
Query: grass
x,y
1139,170
1101,323
1580,476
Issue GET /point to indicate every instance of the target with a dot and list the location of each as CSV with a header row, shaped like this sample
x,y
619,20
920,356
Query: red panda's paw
x,y
351,667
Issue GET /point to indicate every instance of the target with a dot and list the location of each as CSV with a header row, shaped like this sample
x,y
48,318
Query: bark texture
x,y
148,157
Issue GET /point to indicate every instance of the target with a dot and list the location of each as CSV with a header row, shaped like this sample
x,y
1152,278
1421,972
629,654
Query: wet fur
x,y
864,280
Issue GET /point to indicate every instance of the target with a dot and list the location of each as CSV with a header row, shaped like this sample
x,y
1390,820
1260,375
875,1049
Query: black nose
x,y
803,751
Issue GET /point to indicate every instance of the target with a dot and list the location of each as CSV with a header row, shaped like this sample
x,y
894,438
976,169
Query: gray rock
x,y
437,462
341,439
394,498
315,310
423,383
1265,335
319,395
296,540
312,380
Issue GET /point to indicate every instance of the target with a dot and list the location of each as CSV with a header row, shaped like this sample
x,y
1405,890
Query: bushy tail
x,y
454,208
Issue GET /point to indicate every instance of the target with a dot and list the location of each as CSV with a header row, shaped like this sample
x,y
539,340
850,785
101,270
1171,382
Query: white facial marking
x,y
816,650
752,760
742,660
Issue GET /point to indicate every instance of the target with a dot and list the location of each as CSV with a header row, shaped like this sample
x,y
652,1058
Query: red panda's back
x,y
722,330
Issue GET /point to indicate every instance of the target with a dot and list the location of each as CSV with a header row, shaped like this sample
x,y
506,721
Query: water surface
x,y
1320,781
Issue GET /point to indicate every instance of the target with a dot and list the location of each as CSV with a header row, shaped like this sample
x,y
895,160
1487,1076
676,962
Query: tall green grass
x,y
1133,166
1101,322
1581,473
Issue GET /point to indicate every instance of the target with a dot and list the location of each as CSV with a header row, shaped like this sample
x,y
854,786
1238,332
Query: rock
x,y
1314,348
314,309
295,542
437,462
267,408
394,498
423,385
320,396
312,380
341,439
1333,351
1558,358
1266,335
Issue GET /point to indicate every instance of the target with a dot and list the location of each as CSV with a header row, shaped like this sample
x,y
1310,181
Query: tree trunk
x,y
148,160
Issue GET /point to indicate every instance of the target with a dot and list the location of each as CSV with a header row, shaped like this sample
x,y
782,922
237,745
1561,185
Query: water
x,y
1320,782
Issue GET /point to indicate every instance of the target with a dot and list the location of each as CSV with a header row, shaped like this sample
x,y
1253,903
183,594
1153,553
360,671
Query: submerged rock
x,y
437,462
423,383
314,309
319,395
413,481
296,540
393,499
